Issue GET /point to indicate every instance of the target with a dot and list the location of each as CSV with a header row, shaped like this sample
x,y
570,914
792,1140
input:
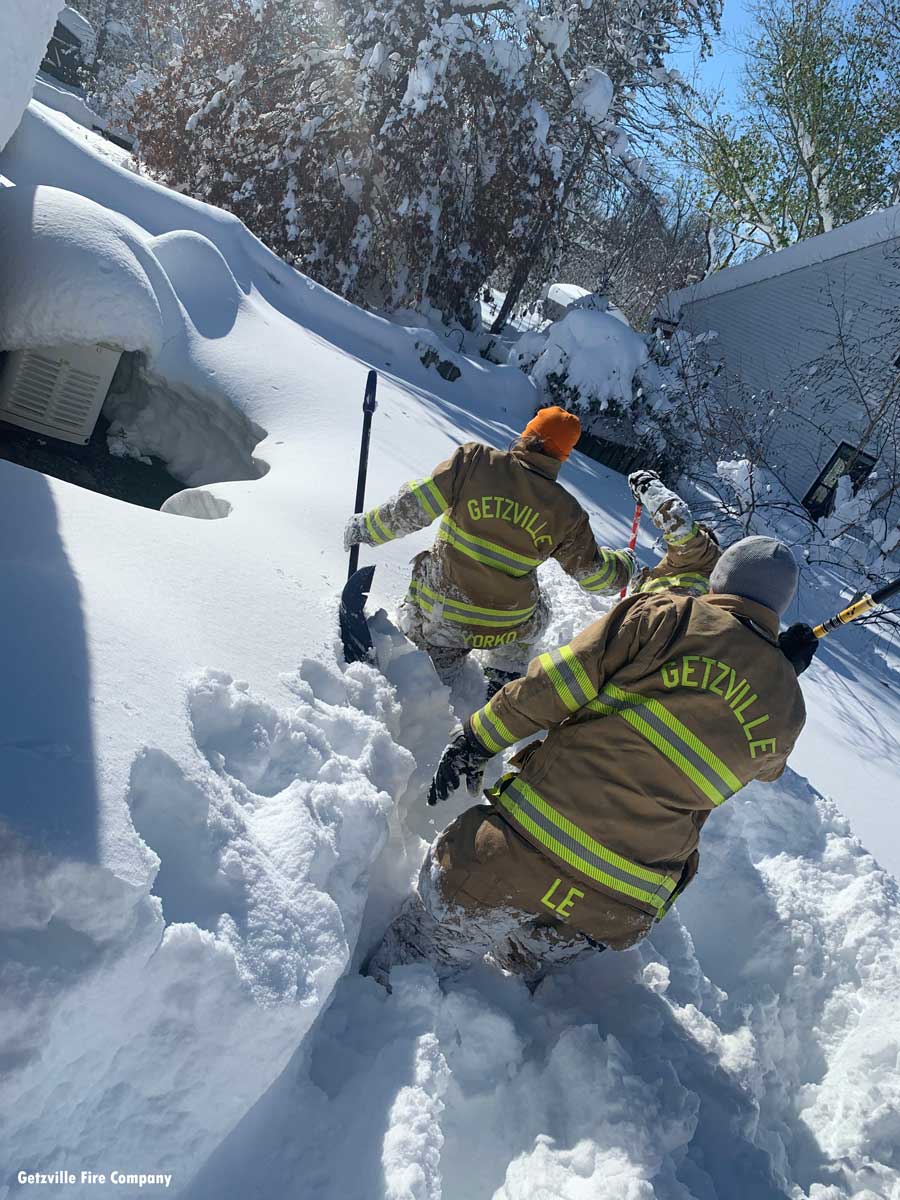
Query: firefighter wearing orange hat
x,y
502,513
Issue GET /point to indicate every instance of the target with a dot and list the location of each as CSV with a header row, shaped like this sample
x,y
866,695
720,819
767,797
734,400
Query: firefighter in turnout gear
x,y
657,713
502,515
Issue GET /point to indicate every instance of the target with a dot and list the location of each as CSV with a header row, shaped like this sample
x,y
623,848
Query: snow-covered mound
x,y
591,354
207,819
82,274
25,29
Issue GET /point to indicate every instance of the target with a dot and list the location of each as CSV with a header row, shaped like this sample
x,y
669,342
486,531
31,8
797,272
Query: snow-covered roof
x,y
878,227
79,26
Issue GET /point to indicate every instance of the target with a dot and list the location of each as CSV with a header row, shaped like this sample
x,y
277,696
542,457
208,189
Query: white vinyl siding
x,y
770,330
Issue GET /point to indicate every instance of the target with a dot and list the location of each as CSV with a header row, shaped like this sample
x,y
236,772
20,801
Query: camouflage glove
x,y
799,645
666,510
639,481
463,756
355,531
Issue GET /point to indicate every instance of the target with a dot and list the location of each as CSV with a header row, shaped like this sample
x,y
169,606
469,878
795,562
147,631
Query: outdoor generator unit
x,y
57,391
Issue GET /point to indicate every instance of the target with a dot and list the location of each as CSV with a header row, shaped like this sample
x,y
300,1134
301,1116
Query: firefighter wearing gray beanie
x,y
760,569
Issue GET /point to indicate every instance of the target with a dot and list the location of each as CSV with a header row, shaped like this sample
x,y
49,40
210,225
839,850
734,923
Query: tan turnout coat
x,y
657,713
502,514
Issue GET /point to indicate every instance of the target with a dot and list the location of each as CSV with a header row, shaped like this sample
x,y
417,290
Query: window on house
x,y
819,500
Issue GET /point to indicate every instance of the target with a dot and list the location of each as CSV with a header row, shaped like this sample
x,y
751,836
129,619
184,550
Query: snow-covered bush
x,y
589,362
401,152
628,387
860,536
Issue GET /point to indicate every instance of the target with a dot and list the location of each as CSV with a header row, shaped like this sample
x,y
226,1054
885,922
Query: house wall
x,y
771,332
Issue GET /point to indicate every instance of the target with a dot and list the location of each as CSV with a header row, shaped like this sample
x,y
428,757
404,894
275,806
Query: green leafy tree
x,y
816,141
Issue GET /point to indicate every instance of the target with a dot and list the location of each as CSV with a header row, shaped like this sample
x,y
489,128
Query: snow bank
x,y
748,1050
66,100
144,1031
82,274
25,29
594,356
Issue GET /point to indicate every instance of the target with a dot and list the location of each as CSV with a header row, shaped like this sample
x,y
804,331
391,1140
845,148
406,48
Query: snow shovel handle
x,y
632,541
369,406
865,604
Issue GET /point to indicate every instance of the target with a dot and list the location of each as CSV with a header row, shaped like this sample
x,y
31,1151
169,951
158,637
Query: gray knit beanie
x,y
758,568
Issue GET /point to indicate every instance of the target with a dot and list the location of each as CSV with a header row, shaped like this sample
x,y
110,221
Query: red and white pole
x,y
632,541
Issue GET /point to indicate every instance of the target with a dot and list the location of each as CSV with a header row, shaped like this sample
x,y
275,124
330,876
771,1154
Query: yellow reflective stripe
x,y
449,536
690,580
675,740
468,614
373,532
495,546
560,685
423,499
442,504
579,850
633,717
498,724
473,619
680,541
482,734
474,608
602,578
376,516
581,675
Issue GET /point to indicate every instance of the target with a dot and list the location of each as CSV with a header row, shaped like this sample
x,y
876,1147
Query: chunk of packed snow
x,y
25,29
66,100
565,294
553,33
593,94
76,24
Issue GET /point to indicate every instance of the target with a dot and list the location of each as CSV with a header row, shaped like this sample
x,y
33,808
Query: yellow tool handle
x,y
848,614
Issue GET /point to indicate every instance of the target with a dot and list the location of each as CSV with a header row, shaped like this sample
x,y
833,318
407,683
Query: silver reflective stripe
x,y
494,735
669,735
495,557
505,618
578,849
600,579
579,694
479,617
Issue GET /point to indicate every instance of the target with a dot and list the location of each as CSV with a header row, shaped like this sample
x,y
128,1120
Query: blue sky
x,y
720,71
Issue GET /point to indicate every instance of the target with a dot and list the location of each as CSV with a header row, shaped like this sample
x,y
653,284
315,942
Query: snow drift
x,y
207,821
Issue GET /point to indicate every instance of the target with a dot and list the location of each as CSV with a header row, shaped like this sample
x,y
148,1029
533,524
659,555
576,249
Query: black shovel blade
x,y
354,628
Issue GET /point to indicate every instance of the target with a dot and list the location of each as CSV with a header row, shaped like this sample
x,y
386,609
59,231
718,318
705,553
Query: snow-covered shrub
x,y
400,152
860,536
589,362
628,387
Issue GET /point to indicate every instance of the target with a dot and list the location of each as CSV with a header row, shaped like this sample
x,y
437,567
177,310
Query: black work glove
x,y
799,645
463,756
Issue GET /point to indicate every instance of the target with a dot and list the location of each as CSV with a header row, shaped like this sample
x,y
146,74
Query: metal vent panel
x,y
57,391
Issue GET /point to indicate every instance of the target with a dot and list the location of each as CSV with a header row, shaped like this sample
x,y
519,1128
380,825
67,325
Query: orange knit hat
x,y
558,430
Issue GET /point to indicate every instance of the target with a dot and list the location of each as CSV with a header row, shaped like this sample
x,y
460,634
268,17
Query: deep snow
x,y
208,820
